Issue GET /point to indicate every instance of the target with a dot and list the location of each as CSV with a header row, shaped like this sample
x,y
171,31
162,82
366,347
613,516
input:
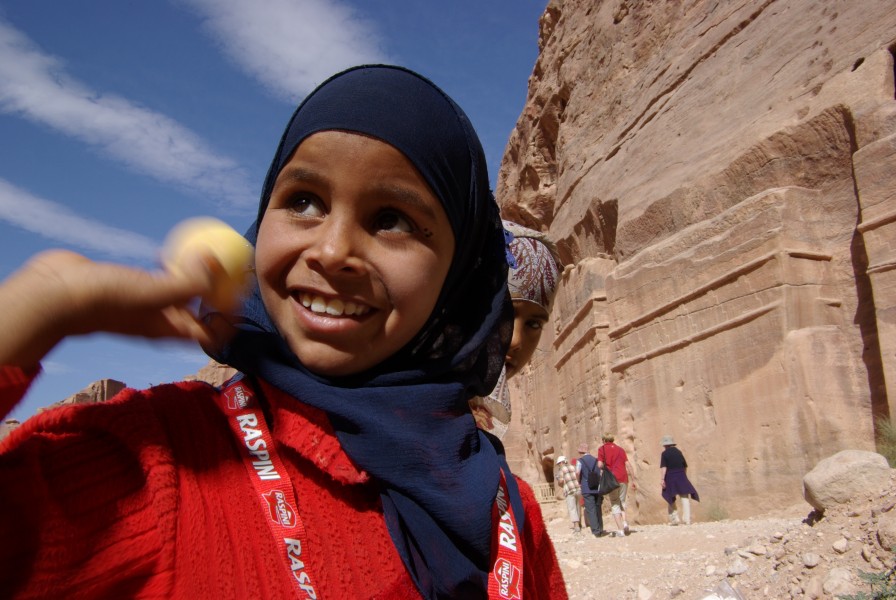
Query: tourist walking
x,y
568,481
676,485
615,459
588,464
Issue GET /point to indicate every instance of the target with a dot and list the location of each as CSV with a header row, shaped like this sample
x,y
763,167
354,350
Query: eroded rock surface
x,y
719,178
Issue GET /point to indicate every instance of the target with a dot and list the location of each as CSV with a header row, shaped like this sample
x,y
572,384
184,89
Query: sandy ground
x,y
787,554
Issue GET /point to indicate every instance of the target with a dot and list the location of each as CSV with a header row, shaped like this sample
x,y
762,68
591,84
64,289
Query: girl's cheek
x,y
266,251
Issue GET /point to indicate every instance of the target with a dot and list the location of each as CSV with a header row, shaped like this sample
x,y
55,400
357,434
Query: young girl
x,y
532,280
345,462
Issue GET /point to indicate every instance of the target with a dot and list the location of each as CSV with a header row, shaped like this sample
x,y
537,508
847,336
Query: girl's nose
x,y
516,339
337,246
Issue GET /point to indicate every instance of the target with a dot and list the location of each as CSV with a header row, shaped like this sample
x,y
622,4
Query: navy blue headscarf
x,y
406,421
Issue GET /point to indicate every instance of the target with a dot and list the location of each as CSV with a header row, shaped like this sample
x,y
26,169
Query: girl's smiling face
x,y
352,252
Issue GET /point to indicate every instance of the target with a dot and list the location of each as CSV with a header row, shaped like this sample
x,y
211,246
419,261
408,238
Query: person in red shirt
x,y
380,306
613,457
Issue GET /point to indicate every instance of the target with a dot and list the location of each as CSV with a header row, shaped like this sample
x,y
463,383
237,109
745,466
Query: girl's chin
x,y
328,361
332,368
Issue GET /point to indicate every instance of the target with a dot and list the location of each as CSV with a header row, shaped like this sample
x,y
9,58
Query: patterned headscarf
x,y
534,266
533,276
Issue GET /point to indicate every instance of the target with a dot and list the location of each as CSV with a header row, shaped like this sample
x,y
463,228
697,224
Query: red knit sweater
x,y
146,496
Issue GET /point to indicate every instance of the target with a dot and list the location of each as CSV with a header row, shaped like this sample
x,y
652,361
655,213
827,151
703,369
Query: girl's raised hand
x,y
59,293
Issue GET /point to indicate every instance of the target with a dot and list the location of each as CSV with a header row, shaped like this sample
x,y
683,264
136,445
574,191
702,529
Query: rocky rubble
x,y
788,553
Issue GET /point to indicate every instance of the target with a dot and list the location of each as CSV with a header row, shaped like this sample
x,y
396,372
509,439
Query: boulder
x,y
886,530
836,479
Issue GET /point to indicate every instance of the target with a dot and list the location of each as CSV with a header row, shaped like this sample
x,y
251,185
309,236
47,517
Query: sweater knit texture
x,y
146,496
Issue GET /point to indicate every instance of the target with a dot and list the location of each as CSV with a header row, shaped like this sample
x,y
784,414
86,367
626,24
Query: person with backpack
x,y
614,458
589,476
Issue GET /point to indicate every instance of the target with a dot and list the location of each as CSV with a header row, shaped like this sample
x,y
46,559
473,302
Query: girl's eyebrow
x,y
293,174
407,196
394,192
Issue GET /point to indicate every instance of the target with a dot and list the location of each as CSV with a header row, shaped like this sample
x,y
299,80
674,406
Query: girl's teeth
x,y
318,305
334,307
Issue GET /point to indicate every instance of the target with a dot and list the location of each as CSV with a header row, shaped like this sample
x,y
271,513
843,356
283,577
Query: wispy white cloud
x,y
58,223
290,46
35,86
52,367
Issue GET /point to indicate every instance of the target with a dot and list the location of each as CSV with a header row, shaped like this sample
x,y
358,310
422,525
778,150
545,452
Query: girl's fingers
x,y
220,330
183,324
59,293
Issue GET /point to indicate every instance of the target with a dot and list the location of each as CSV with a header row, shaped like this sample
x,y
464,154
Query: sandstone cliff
x,y
98,391
719,176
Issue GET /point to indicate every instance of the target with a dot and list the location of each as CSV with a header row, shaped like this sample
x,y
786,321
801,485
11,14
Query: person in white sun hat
x,y
674,471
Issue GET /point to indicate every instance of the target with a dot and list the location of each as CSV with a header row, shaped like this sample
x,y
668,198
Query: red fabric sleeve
x,y
14,382
542,577
145,497
87,494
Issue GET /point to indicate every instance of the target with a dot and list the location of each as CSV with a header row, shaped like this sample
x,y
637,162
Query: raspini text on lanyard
x,y
276,496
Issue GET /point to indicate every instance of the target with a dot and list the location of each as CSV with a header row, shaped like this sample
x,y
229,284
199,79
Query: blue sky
x,y
118,119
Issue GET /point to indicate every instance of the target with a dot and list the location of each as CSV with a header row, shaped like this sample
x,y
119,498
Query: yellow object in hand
x,y
201,237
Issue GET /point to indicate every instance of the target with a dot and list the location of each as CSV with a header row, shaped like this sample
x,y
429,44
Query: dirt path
x,y
781,555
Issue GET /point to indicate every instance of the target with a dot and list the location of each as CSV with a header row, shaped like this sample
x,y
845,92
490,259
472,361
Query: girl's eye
x,y
393,221
534,324
307,206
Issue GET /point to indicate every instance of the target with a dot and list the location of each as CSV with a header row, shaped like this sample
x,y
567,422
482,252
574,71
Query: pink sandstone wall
x,y
720,178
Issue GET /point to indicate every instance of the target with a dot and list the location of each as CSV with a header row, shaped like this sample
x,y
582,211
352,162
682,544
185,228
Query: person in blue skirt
x,y
674,471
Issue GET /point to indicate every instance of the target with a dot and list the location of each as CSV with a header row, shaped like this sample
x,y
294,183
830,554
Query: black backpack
x,y
594,478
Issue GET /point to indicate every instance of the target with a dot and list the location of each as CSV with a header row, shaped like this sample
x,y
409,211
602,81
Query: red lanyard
x,y
277,499
506,579
273,485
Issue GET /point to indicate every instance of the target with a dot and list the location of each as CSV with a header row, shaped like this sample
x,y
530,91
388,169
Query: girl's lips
x,y
509,366
334,307
329,323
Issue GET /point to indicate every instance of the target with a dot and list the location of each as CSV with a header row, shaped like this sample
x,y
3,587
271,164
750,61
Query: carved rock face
x,y
720,178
